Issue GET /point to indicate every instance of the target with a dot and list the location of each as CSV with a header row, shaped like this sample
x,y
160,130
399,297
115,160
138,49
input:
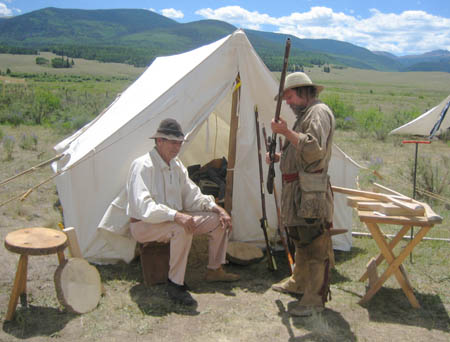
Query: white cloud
x,y
5,11
238,16
405,33
172,13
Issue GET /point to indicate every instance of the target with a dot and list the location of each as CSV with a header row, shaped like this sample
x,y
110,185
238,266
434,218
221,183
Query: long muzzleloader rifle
x,y
281,229
273,139
270,257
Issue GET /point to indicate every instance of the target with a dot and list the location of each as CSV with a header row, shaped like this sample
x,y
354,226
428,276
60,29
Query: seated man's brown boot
x,y
219,274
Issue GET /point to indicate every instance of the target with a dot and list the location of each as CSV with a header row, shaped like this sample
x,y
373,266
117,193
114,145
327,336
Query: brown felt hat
x,y
169,129
297,80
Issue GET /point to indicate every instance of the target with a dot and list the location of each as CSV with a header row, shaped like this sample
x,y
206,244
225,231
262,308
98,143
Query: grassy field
x,y
387,91
27,64
247,310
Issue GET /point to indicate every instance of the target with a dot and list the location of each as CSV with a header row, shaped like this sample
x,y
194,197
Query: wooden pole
x,y
228,201
416,142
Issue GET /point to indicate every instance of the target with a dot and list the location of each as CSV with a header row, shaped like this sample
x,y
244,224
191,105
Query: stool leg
x,y
18,287
23,284
61,257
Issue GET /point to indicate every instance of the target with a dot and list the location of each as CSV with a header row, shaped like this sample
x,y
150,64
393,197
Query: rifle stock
x,y
270,257
273,140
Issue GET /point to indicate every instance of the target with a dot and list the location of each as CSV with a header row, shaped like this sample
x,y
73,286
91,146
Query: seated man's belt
x,y
133,220
290,177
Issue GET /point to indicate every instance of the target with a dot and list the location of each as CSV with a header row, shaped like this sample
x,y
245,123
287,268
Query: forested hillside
x,y
137,36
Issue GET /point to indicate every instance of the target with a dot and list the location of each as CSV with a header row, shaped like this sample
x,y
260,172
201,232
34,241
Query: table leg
x,y
18,287
394,264
391,245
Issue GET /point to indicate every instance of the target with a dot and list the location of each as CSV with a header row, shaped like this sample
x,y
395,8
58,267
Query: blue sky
x,y
396,26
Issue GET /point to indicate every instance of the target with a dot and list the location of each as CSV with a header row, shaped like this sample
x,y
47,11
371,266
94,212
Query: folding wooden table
x,y
374,209
372,221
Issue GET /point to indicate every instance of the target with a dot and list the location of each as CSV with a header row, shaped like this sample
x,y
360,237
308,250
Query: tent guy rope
x,y
33,168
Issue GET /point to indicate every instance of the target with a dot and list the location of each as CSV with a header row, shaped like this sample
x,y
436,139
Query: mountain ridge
x,y
137,36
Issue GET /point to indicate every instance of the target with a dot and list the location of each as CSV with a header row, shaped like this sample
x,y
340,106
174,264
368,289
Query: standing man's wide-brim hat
x,y
169,129
297,80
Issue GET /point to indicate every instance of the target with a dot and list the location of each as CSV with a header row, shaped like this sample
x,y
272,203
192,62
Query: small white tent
x,y
423,124
195,88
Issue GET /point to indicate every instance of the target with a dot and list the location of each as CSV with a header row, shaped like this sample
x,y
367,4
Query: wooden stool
x,y
31,241
155,262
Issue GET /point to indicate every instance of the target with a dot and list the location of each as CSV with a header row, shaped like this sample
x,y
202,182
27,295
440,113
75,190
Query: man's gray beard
x,y
298,110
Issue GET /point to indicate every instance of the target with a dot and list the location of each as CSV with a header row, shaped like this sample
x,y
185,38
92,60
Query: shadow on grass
x,y
121,271
255,278
344,256
34,321
337,278
329,325
154,301
391,306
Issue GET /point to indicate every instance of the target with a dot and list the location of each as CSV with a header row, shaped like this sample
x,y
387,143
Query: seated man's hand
x,y
185,220
224,218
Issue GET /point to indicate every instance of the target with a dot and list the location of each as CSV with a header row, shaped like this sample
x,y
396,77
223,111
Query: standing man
x,y
307,199
165,205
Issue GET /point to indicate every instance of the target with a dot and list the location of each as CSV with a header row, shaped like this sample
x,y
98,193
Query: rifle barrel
x,y
270,257
281,229
273,141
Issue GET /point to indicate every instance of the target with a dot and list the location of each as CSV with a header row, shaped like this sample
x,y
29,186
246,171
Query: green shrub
x,y
445,136
373,122
400,118
8,146
432,175
60,62
343,113
367,121
12,115
29,142
45,102
42,61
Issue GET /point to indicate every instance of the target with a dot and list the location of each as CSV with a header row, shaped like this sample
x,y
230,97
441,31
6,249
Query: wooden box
x,y
155,262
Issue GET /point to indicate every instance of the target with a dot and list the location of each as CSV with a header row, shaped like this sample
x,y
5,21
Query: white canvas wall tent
x,y
196,89
424,124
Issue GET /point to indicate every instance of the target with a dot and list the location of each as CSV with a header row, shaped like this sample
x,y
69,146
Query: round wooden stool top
x,y
36,241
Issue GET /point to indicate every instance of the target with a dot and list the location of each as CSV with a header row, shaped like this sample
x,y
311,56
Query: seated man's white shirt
x,y
156,191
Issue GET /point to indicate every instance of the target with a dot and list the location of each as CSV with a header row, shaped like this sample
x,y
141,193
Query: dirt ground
x,y
247,310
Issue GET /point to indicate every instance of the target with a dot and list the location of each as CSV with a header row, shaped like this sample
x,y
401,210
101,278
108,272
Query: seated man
x,y
165,205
